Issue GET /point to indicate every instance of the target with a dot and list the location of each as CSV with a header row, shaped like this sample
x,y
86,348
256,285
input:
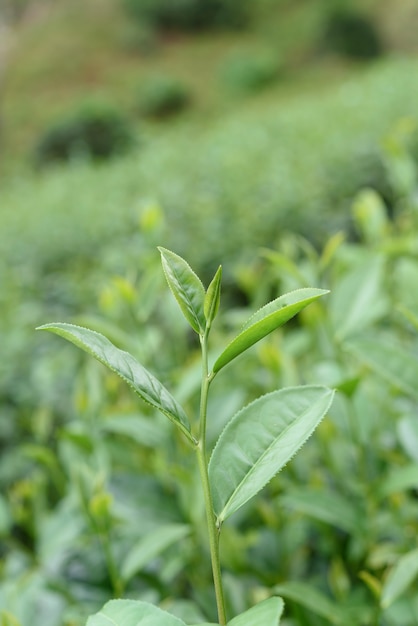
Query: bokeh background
x,y
279,138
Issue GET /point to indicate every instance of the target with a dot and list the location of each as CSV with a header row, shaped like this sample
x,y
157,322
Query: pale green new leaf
x,y
132,613
213,297
149,388
265,320
259,440
314,600
400,578
186,287
266,613
150,546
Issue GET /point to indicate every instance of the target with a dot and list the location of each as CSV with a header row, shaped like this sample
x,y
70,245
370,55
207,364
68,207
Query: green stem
x,y
213,528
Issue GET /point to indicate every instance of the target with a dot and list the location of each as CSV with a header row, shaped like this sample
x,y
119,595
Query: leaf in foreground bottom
x,y
132,613
266,613
260,440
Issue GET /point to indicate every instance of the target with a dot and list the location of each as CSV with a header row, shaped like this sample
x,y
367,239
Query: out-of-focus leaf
x,y
408,435
329,508
149,388
186,287
358,299
389,360
132,613
399,479
268,318
7,619
151,546
370,215
143,430
314,600
399,578
259,440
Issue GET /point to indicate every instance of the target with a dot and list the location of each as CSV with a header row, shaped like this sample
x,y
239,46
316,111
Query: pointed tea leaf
x,y
149,388
213,297
259,440
267,319
132,613
186,287
267,613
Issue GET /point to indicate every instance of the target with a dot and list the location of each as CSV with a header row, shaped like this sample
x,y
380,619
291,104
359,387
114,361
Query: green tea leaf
x,y
391,361
314,600
399,579
266,613
268,318
150,546
186,287
213,297
149,388
132,613
259,440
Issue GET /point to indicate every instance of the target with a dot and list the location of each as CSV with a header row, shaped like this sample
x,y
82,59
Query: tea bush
x,y
249,73
190,15
162,96
351,34
94,131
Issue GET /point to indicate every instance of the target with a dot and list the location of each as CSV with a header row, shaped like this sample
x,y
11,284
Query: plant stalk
x,y
213,529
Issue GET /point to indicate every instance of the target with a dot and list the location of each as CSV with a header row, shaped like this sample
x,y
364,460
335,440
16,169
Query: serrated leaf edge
x,y
220,518
79,344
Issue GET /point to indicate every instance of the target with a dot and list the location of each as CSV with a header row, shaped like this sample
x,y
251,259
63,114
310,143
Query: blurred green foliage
x,y
162,96
190,15
87,490
327,184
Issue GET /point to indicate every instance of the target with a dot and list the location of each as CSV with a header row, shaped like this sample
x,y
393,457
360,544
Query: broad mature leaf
x,y
314,600
213,297
391,361
265,320
151,546
132,613
186,287
400,578
267,613
149,388
259,440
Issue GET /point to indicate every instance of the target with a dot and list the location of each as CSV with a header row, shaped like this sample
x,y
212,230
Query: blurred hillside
x,y
55,54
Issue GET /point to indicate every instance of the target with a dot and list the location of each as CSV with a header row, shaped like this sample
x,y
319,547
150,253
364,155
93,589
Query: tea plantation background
x,y
277,138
